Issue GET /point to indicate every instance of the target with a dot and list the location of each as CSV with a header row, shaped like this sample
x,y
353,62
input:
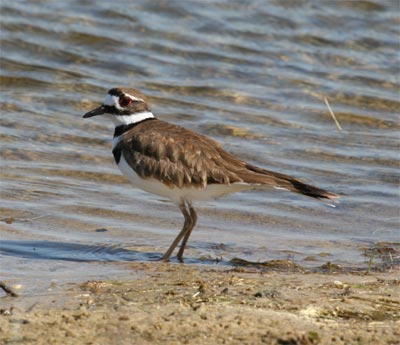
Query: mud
x,y
200,304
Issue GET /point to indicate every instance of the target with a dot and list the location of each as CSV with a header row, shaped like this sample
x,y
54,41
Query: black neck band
x,y
119,130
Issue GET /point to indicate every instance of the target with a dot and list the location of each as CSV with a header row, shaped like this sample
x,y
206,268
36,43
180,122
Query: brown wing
x,y
175,155
180,157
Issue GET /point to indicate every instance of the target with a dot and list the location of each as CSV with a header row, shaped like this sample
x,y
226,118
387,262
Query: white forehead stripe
x,y
111,100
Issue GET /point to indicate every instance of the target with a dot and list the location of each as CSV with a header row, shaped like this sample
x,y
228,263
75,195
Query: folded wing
x,y
179,157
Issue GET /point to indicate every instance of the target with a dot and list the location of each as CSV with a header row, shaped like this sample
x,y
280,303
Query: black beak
x,y
98,111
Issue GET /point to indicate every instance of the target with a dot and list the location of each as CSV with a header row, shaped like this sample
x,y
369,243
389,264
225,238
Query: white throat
x,y
119,120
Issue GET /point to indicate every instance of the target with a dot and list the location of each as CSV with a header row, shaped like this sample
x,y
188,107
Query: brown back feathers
x,y
180,157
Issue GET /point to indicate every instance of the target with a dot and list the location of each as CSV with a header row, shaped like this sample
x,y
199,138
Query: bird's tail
x,y
281,181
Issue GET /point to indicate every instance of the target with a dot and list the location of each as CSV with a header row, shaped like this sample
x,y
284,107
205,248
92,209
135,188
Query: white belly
x,y
175,194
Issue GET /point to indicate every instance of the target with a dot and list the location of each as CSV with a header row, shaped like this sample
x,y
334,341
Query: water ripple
x,y
249,74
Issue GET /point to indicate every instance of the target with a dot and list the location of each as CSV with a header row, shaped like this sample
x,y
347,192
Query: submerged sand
x,y
199,304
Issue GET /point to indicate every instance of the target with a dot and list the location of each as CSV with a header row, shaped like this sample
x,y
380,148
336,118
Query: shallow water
x,y
252,76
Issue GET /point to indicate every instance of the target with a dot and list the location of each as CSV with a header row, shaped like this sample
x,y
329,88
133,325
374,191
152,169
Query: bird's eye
x,y
125,101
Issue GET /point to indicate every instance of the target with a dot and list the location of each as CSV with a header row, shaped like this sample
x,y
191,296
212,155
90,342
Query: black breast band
x,y
124,128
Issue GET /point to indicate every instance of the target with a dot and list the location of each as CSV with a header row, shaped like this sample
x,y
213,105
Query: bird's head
x,y
123,106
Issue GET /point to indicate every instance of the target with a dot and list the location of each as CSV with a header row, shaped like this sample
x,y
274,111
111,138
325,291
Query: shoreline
x,y
199,304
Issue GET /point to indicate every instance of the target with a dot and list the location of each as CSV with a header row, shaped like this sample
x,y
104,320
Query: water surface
x,y
252,75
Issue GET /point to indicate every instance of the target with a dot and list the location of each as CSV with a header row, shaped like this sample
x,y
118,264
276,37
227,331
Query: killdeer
x,y
180,164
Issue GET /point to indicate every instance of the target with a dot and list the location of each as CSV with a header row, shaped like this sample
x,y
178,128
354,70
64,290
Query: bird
x,y
180,164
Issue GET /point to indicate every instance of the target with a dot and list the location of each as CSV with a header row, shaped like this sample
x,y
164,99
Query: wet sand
x,y
201,304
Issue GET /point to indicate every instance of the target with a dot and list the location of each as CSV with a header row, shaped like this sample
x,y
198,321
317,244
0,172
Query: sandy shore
x,y
195,304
